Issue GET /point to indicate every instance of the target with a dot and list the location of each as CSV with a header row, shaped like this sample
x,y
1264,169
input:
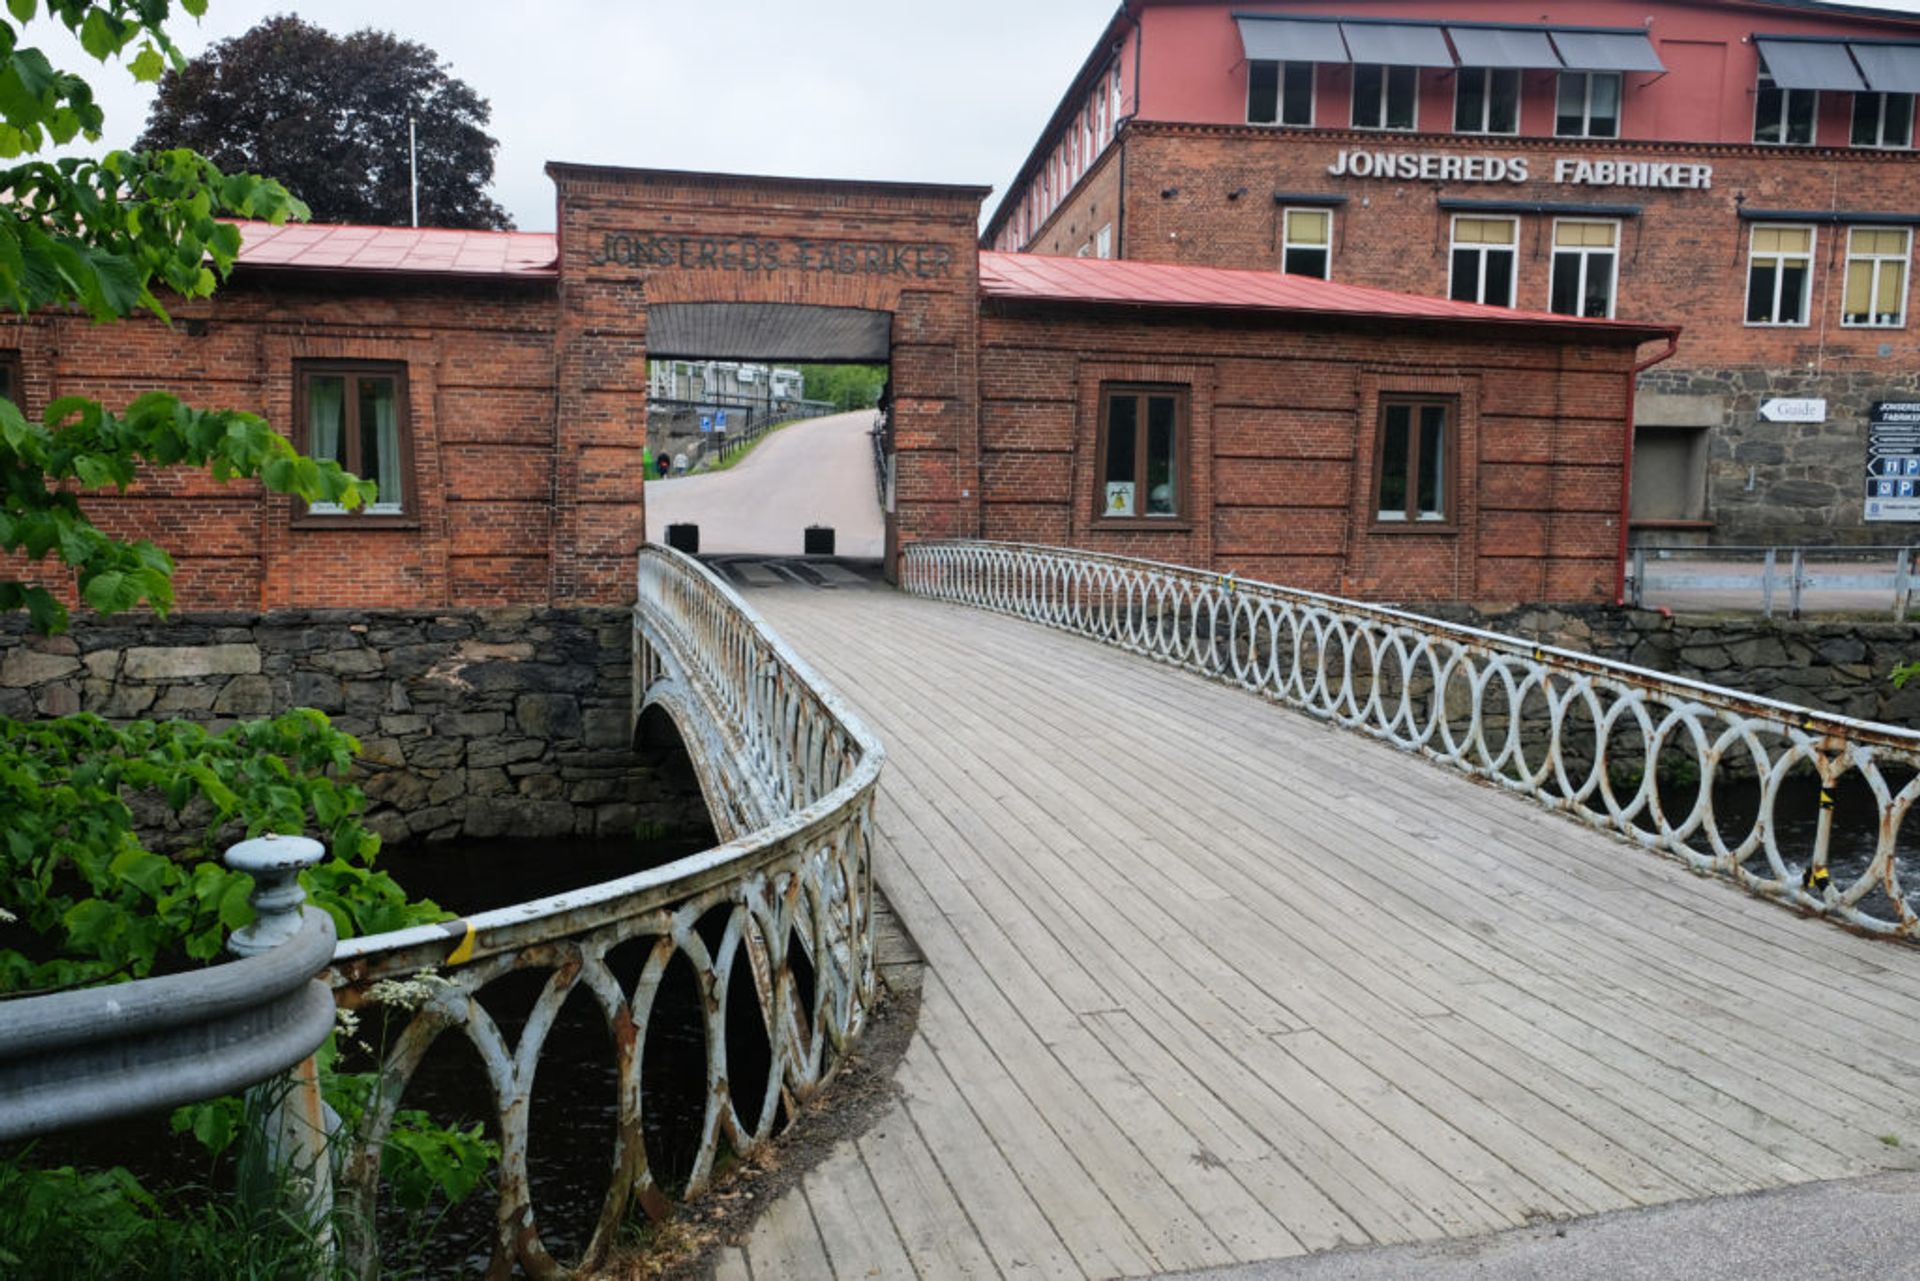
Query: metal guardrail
x,y
1571,731
1799,580
102,1053
789,773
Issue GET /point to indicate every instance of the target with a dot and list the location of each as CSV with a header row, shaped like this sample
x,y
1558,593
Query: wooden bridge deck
x,y
1209,981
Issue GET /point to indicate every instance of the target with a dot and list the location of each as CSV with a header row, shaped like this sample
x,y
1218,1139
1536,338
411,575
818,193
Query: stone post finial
x,y
274,862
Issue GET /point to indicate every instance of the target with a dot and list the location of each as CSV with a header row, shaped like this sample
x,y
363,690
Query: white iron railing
x,y
1793,580
790,773
1575,732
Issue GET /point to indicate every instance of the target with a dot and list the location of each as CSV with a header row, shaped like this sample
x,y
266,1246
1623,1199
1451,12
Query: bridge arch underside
x,y
768,331
1211,981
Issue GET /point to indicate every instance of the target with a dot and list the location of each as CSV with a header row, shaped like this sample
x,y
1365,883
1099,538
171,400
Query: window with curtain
x,y
355,414
1876,296
1307,242
1587,105
1585,257
1779,275
1142,448
1483,260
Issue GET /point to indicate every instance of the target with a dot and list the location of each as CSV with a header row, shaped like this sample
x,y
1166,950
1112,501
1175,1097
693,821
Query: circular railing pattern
x,y
790,773
1621,748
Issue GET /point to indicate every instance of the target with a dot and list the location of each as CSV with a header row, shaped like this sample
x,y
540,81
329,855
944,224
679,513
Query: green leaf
x,y
147,65
22,10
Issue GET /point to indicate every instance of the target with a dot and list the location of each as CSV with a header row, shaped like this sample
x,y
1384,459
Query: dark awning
x,y
1503,47
1606,51
1397,44
1889,68
1809,64
1287,40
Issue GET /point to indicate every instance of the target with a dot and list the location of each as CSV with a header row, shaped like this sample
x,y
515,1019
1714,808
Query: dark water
x,y
574,1101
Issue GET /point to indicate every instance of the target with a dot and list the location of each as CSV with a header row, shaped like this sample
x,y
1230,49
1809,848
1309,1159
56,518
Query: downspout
x,y
1626,463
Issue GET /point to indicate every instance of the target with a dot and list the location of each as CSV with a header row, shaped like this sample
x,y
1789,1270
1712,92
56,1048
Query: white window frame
x,y
1512,247
1586,252
1905,259
1806,303
1287,243
1486,102
1881,144
1762,79
1103,242
1280,120
1386,96
1586,104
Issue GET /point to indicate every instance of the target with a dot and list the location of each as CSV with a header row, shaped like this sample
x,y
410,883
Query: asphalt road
x,y
1817,1232
818,472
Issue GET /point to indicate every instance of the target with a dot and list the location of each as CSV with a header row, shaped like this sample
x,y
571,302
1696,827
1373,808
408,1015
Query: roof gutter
x,y
1626,463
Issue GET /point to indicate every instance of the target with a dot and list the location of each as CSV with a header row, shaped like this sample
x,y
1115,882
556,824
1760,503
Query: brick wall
x,y
479,411
1279,456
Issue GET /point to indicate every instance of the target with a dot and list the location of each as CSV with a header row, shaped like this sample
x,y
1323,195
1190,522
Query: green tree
x,y
847,386
328,116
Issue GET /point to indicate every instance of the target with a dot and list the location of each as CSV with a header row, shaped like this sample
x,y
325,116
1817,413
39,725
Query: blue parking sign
x,y
706,422
720,421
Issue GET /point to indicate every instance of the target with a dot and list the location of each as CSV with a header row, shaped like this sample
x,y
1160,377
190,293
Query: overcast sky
x,y
951,91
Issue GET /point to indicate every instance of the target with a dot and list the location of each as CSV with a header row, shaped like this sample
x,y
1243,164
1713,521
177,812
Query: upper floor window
x,y
1279,93
1783,117
1411,479
1384,97
1103,242
1487,100
1307,247
1587,105
12,385
356,414
1585,257
1484,250
1876,277
1142,438
1882,120
1779,275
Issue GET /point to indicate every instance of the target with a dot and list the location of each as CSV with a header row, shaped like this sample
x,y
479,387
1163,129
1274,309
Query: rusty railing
x,y
789,774
1621,748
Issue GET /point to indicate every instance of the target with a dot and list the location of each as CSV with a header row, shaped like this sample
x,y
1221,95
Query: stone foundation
x,y
1842,666
480,722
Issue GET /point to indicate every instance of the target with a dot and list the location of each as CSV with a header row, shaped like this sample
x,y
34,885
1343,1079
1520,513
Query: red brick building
x,y
1324,434
1743,169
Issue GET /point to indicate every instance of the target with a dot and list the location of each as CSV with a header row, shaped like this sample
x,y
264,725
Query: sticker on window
x,y
1119,498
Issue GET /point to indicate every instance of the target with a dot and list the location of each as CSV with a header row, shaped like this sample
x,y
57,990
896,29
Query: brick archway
x,y
632,239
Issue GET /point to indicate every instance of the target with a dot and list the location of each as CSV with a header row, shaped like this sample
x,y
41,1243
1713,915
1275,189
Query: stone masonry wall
x,y
1834,665
1790,483
479,723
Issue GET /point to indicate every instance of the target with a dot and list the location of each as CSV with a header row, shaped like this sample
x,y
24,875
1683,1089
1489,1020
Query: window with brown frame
x,y
1412,475
12,381
1143,433
356,414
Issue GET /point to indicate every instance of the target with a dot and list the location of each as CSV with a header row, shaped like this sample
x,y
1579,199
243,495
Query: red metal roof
x,y
1045,278
412,250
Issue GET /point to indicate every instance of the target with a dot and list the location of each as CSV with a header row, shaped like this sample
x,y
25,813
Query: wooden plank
x,y
939,1236
731,1265
785,1243
851,1215
1146,938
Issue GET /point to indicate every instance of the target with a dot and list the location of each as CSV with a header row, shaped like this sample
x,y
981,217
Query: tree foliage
x,y
848,386
328,115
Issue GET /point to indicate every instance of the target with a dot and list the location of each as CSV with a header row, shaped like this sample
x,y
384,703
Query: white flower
x,y
407,994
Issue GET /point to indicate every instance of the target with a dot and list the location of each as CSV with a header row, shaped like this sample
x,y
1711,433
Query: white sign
x,y
1119,498
1568,171
1794,411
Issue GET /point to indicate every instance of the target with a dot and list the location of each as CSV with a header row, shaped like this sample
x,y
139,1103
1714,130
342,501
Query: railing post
x,y
1638,599
1902,583
1798,580
1766,582
295,1116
